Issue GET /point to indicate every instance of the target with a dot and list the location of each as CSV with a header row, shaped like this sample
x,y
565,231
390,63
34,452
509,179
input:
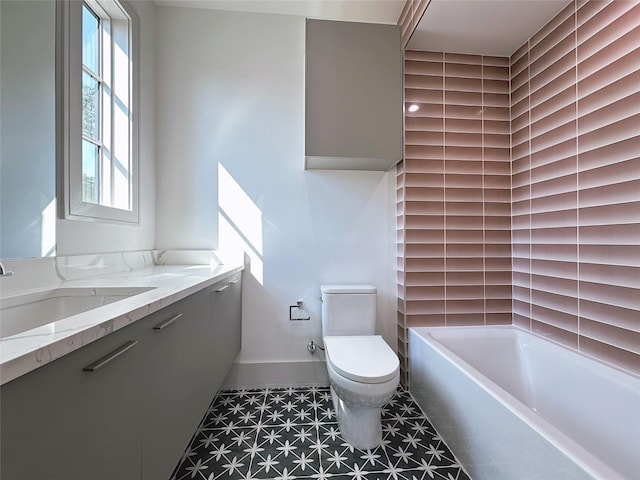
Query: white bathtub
x,y
512,405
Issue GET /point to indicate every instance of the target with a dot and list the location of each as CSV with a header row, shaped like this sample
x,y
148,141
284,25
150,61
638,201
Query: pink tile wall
x,y
519,195
454,186
575,122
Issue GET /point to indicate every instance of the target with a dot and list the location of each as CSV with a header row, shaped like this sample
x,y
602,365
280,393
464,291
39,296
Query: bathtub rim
x,y
582,457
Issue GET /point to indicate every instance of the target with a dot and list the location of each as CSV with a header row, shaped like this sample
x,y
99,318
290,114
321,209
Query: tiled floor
x,y
286,433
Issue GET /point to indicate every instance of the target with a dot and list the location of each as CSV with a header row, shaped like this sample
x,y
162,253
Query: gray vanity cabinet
x,y
132,417
62,423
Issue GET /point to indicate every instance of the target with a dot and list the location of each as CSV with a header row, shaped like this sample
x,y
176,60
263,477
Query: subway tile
x,y
424,56
426,320
498,278
626,318
497,141
492,126
497,153
432,82
459,84
496,86
499,167
471,307
427,99
464,265
555,333
426,250
421,67
493,318
496,100
495,72
425,124
462,70
463,140
460,58
493,61
621,338
496,113
621,358
419,138
424,264
429,307
455,152
463,98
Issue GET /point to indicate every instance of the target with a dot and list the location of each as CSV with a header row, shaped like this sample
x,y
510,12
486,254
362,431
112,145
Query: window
x,y
100,111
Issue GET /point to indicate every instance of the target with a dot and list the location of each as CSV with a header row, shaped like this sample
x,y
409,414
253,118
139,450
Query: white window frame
x,y
72,69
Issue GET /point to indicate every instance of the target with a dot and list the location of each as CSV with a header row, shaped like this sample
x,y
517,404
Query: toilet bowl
x,y
364,374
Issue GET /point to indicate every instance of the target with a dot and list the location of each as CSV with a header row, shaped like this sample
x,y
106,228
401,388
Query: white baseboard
x,y
276,374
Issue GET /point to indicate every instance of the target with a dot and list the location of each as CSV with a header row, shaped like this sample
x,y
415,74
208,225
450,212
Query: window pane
x,y
90,169
90,106
90,40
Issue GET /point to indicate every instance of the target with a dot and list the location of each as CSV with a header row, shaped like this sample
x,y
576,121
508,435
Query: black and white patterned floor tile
x,y
292,433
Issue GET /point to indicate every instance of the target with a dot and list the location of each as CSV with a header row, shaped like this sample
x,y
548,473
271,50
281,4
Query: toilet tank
x,y
348,309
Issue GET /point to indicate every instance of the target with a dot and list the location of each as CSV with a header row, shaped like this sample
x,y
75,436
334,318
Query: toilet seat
x,y
364,359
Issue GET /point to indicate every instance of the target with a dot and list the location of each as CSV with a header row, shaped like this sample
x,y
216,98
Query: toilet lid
x,y
365,359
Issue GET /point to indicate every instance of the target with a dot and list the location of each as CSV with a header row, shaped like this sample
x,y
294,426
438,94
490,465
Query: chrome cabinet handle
x,y
221,289
167,322
109,357
233,282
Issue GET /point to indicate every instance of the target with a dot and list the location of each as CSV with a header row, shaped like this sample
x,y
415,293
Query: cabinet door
x,y
353,96
223,344
234,315
62,423
178,390
226,321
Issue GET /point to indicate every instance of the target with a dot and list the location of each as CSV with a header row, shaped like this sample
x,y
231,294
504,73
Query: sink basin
x,y
25,312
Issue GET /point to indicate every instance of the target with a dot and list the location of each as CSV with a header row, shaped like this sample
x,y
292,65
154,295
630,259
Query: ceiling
x,y
490,27
372,11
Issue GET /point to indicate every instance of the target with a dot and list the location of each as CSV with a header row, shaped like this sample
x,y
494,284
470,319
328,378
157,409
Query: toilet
x,y
363,370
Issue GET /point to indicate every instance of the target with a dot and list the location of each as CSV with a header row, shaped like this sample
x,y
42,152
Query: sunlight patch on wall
x,y
239,223
48,230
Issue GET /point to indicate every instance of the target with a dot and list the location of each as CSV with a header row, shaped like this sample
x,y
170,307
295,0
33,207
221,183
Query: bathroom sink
x,y
24,312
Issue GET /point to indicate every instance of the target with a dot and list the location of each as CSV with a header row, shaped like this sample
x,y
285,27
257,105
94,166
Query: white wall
x,y
27,129
79,237
229,104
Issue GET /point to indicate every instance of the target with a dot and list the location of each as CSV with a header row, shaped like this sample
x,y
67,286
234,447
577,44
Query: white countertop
x,y
26,351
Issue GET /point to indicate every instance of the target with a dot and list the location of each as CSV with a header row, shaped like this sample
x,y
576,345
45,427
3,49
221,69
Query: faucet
x,y
3,272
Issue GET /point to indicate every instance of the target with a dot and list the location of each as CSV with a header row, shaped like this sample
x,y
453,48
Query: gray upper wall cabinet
x,y
353,96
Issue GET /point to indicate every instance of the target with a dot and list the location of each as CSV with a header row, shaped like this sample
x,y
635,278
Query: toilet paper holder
x,y
298,305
